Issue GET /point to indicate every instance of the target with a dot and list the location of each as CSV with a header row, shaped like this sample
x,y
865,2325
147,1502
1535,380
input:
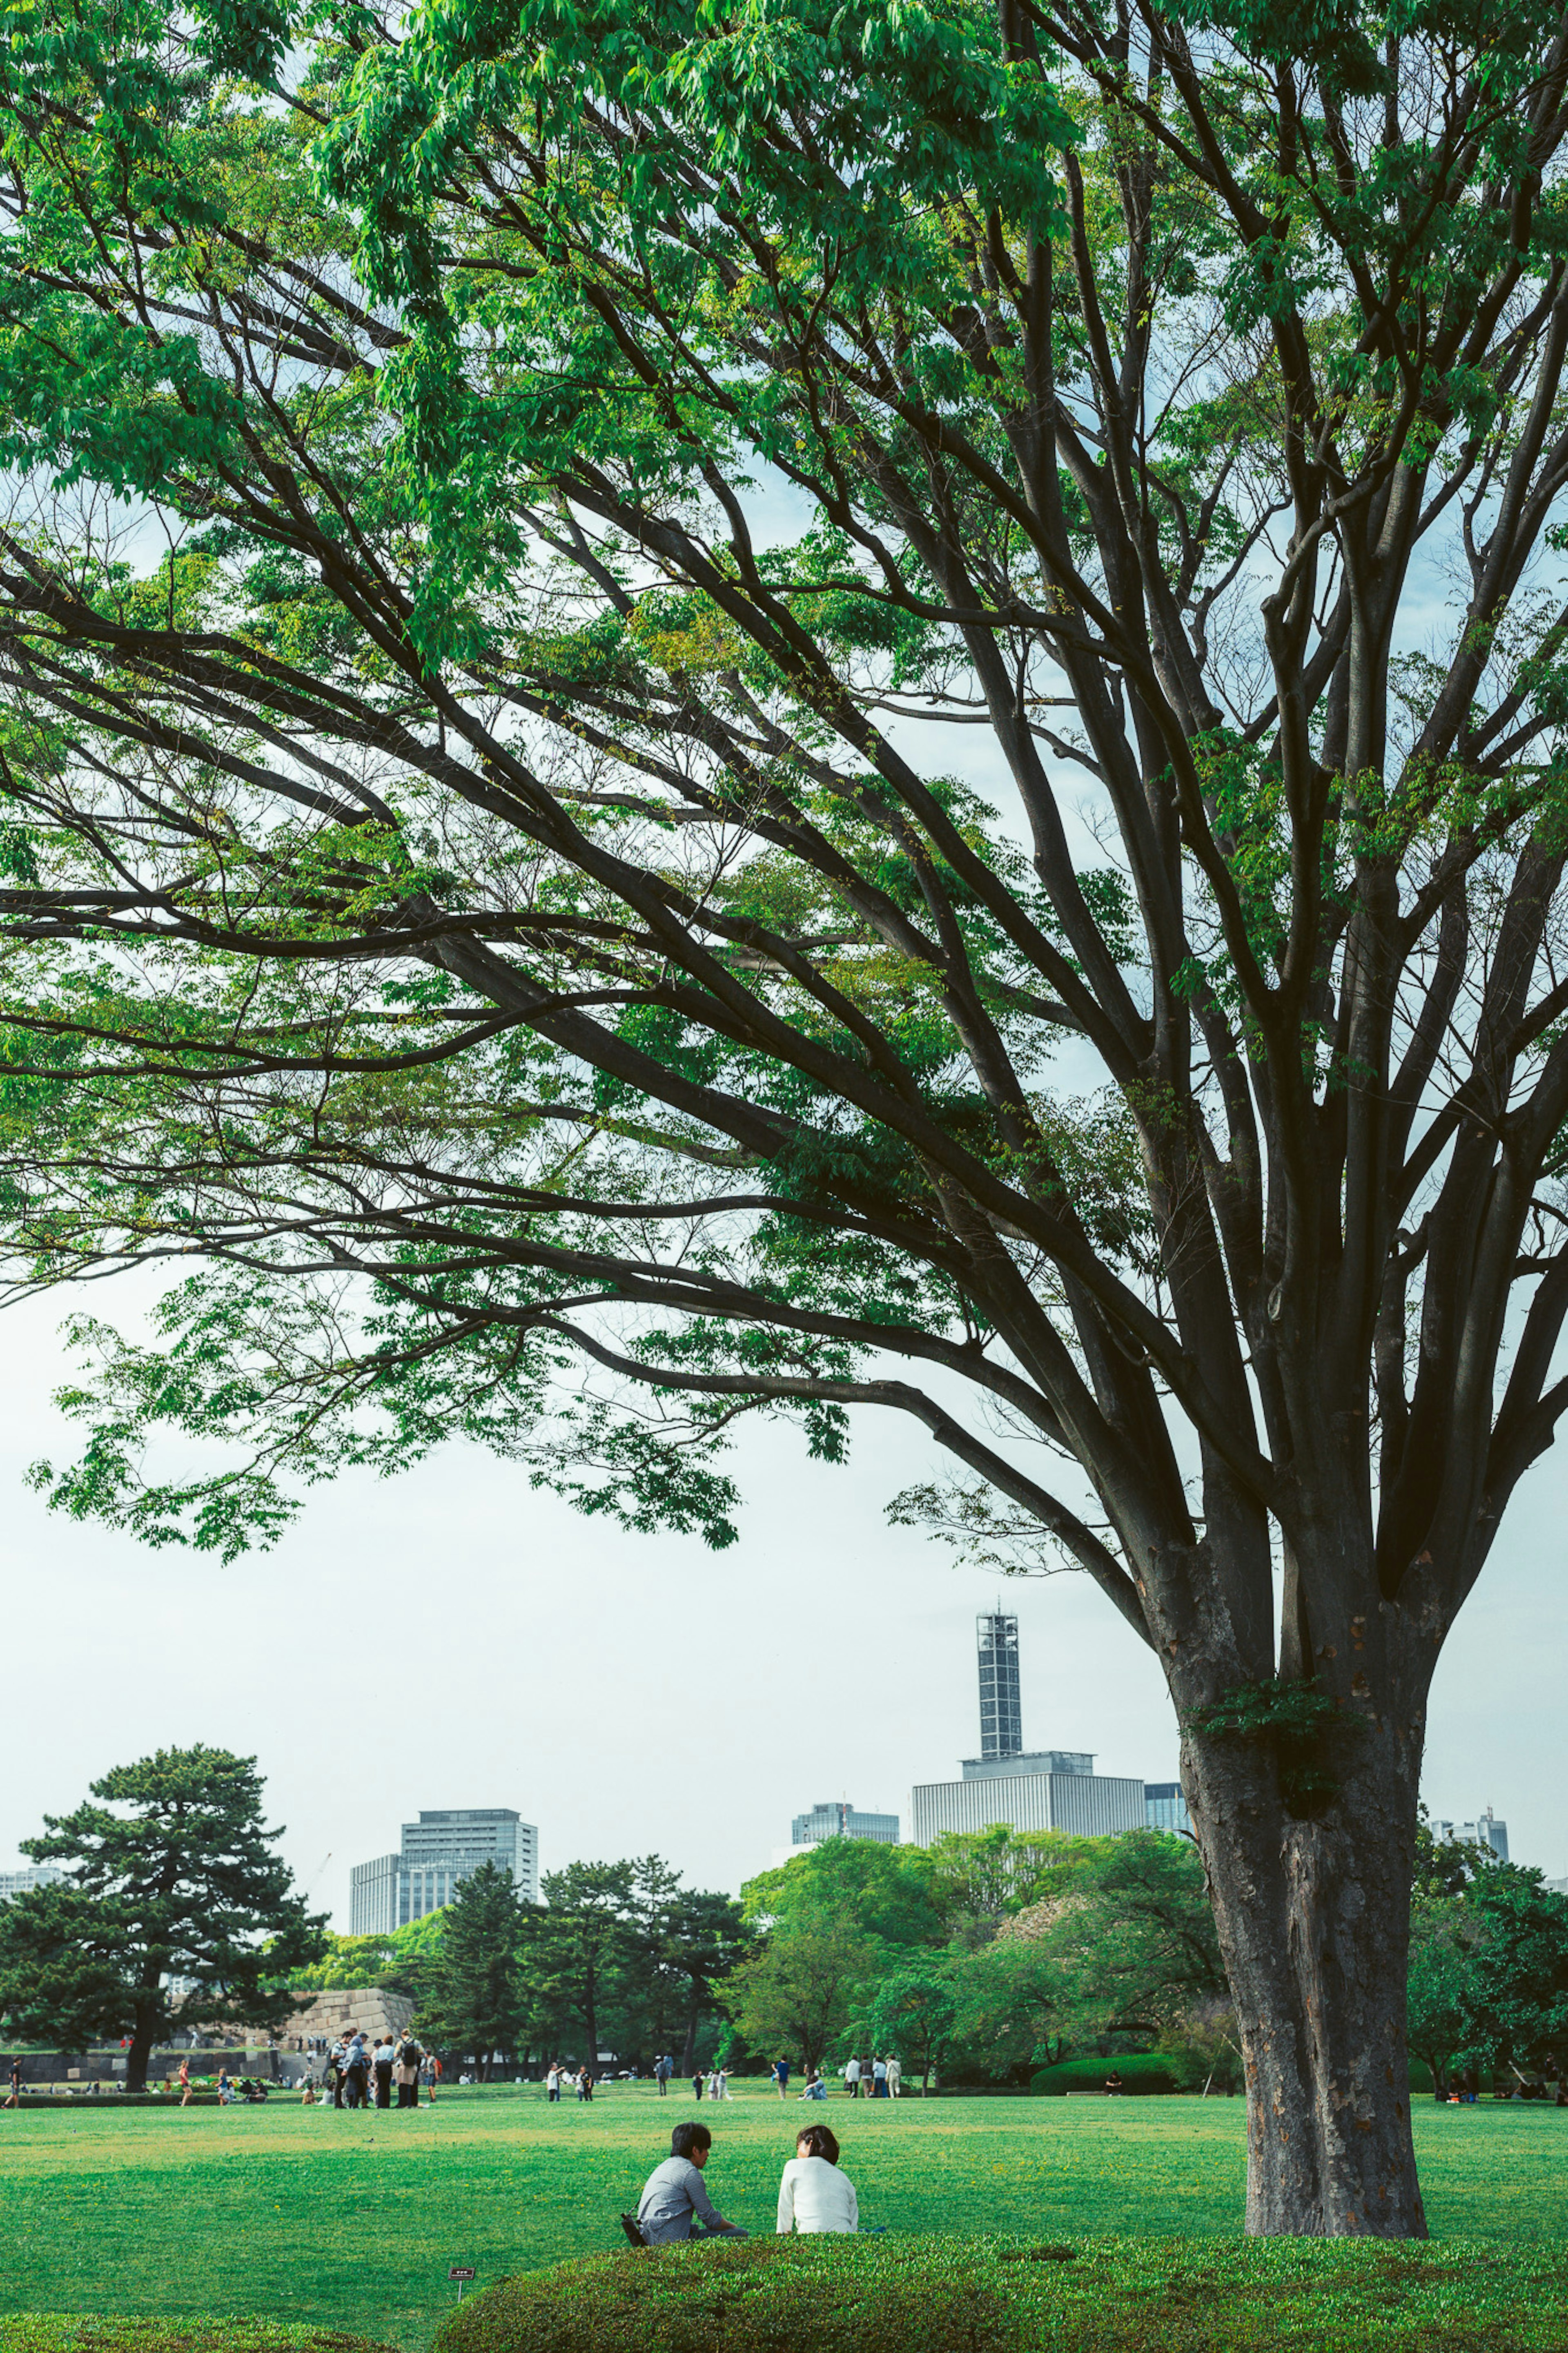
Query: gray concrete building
x,y
1089,1805
438,1851
1024,1790
836,1818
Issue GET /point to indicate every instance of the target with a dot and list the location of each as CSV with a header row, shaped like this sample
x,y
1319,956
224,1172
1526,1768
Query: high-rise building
x,y
1487,1831
837,1819
1038,1789
1165,1807
437,1851
1000,1707
33,1874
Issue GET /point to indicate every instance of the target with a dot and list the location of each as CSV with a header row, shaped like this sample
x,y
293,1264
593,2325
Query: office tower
x,y
1166,1806
1001,1709
839,1818
438,1851
1487,1830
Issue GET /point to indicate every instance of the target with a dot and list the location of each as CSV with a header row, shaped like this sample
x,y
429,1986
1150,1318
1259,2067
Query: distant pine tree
x,y
171,1879
474,1999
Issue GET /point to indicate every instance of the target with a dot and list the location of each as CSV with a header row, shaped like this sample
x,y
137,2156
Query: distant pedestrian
x,y
406,2072
878,2079
356,2071
852,2079
697,2085
225,2088
552,2082
184,2083
382,2062
781,2077
724,2091
585,2086
713,2081
13,2097
662,2072
895,2078
430,2075
337,2062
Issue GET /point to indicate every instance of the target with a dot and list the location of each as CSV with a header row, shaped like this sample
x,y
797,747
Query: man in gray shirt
x,y
673,2195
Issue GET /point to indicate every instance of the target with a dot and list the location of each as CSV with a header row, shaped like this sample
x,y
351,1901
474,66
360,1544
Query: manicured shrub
x,y
763,2296
1147,2073
953,2295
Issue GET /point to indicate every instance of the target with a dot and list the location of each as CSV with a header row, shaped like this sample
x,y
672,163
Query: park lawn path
x,y
352,2221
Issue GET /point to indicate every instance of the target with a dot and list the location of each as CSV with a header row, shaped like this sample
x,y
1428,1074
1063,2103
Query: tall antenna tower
x,y
1001,1708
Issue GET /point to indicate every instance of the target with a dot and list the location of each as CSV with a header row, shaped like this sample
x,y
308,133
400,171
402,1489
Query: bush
x,y
1000,2295
54,2332
1145,2072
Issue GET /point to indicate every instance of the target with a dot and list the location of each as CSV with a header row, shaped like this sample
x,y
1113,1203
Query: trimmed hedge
x,y
1007,2295
1146,2073
59,2332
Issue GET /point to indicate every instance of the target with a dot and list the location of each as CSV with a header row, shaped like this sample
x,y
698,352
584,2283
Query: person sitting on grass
x,y
815,2088
673,2197
814,2195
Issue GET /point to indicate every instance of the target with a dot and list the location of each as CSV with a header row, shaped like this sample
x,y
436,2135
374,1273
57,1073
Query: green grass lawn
x,y
351,2221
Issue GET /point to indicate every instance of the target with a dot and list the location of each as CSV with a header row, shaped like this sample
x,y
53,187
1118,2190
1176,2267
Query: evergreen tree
x,y
169,1878
474,1996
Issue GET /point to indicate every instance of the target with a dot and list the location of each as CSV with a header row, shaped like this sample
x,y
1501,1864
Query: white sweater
x,y
814,2196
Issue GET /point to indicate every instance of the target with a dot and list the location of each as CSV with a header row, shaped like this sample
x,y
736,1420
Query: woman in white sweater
x,y
814,2195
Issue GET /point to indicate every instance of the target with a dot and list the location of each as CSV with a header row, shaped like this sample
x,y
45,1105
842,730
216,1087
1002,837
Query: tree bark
x,y
1311,1901
137,2057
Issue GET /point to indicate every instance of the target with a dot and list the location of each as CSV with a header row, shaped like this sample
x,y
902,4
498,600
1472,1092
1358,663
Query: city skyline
x,y
638,1694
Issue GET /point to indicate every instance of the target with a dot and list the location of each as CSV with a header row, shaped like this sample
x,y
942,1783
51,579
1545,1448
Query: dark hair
x,y
686,2137
818,2141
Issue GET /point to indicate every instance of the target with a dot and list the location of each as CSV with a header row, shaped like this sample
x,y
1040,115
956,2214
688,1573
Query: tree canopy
x,y
787,710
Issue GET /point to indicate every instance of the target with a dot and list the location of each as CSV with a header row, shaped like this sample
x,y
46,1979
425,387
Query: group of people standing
x,y
558,2079
361,2074
873,2079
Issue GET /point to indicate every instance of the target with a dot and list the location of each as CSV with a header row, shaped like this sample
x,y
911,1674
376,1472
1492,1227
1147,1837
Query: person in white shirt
x,y
814,2195
852,2079
895,2078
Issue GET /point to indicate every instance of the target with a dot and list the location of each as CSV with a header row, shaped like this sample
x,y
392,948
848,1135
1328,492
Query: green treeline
x,y
988,1958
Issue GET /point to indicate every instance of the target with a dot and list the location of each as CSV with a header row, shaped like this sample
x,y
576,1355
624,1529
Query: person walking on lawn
x,y
697,2083
13,2097
381,2068
674,2200
852,2079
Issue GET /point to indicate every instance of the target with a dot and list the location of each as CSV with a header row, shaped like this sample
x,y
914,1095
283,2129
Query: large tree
x,y
472,1989
174,1909
516,515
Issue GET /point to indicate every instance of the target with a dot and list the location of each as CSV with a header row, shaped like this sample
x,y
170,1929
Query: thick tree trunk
x,y
136,2058
1312,1897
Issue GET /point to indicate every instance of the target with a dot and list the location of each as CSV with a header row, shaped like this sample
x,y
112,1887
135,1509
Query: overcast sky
x,y
453,1639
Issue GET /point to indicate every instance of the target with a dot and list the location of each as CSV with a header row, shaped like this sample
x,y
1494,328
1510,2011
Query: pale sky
x,y
452,1638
